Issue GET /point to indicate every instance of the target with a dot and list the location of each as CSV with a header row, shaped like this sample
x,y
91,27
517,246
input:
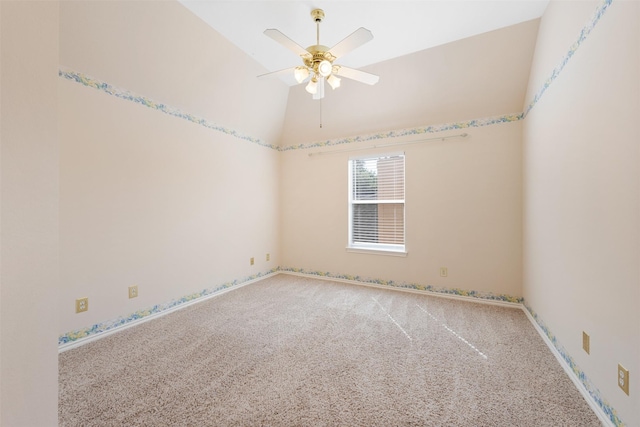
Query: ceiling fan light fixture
x,y
333,81
324,68
300,74
312,87
318,59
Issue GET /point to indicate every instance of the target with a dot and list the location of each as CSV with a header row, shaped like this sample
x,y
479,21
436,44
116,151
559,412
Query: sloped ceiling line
x,y
399,28
126,95
586,30
107,88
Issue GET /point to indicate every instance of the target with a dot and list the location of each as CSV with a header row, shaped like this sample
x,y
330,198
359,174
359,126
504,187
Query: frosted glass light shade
x,y
300,73
333,81
312,87
324,68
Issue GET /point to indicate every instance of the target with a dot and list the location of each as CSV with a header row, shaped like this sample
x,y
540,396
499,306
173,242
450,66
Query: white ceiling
x,y
399,27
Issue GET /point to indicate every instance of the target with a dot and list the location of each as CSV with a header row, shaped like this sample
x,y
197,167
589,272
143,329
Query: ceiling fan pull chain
x,y
320,113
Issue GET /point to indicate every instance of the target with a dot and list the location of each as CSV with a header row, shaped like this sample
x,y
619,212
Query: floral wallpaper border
x,y
109,89
507,118
407,285
98,328
150,103
474,123
172,111
609,411
586,30
579,373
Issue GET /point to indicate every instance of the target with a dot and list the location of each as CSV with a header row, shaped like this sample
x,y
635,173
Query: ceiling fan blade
x,y
352,41
287,42
286,71
357,75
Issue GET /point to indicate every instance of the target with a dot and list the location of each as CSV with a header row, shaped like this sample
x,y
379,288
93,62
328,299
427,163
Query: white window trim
x,y
375,248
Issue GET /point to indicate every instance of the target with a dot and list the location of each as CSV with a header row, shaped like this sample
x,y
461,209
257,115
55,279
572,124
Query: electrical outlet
x,y
623,379
268,257
586,342
133,291
251,261
444,272
82,304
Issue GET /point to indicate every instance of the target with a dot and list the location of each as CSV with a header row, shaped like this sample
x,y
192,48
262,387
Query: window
x,y
376,203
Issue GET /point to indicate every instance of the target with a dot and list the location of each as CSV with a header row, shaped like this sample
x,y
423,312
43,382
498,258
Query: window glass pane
x,y
365,180
365,223
390,173
377,201
390,223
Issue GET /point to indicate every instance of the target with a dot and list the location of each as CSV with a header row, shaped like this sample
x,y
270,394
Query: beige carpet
x,y
292,351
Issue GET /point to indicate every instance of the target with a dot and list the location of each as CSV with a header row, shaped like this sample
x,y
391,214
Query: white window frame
x,y
376,248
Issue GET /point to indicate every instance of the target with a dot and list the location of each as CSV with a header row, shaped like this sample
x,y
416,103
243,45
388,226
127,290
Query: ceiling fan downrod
x,y
318,16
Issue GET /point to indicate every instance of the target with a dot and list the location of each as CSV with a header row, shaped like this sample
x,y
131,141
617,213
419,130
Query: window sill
x,y
398,253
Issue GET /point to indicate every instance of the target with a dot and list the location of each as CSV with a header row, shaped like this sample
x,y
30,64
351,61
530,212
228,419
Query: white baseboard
x,y
602,416
479,300
82,341
604,419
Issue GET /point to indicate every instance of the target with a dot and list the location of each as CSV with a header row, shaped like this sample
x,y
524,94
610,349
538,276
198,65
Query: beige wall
x,y
582,193
154,200
473,78
159,49
463,197
463,212
29,213
149,199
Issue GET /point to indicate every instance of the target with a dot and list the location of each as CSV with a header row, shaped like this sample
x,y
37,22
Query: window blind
x,y
377,202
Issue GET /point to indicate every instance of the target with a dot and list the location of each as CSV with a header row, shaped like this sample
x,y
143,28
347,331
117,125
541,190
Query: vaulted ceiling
x,y
438,61
399,27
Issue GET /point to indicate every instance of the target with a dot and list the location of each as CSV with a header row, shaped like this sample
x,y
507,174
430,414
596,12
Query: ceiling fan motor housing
x,y
318,53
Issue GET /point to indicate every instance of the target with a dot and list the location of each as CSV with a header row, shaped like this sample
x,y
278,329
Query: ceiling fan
x,y
318,59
